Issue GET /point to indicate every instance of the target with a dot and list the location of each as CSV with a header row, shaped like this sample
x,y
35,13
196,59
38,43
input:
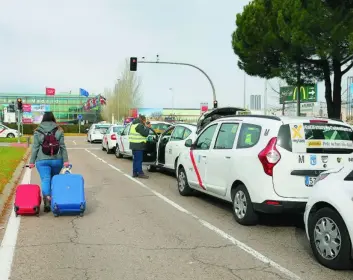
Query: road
x,y
143,229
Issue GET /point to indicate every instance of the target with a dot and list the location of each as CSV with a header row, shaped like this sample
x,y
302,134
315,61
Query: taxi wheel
x,y
243,210
183,184
117,152
109,151
329,239
10,135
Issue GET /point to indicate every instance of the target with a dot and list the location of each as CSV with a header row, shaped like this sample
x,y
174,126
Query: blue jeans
x,y
47,168
137,162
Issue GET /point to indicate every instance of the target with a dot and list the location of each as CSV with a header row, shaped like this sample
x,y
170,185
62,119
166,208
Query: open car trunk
x,y
215,114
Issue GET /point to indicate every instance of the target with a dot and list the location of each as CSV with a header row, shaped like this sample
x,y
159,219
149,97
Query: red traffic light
x,y
133,63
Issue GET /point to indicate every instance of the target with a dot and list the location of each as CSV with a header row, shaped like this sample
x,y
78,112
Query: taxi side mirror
x,y
188,143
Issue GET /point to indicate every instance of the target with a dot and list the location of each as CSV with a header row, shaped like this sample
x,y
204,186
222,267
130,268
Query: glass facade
x,y
66,107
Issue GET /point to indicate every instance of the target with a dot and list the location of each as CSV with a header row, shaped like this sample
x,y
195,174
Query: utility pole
x,y
244,103
298,86
349,98
172,91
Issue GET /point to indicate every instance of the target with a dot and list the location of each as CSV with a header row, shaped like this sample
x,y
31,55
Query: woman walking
x,y
49,154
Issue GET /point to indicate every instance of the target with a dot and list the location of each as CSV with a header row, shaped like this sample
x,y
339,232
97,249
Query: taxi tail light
x,y
270,156
113,137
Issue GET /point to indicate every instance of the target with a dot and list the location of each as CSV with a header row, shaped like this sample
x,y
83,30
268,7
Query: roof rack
x,y
252,116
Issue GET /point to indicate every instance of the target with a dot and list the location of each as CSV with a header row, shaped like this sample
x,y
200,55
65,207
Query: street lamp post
x,y
244,90
172,91
349,97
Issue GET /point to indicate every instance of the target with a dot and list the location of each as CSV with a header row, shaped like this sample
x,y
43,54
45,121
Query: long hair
x,y
48,117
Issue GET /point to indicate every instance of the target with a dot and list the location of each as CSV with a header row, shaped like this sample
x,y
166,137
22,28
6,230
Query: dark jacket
x,y
38,138
144,131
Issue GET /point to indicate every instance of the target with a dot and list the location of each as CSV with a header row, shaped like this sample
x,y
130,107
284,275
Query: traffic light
x,y
133,63
19,104
215,104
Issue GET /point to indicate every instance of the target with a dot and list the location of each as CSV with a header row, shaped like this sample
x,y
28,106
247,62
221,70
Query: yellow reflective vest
x,y
135,137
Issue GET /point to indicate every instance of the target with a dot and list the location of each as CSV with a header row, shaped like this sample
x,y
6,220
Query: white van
x,y
263,163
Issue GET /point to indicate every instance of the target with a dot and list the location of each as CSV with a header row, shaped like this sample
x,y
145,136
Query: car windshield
x,y
118,129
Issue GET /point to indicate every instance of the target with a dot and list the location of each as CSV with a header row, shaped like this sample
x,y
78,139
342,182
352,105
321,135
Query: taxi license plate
x,y
309,181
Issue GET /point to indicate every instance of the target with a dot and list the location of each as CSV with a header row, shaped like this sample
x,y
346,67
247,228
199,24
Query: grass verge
x,y
10,159
13,140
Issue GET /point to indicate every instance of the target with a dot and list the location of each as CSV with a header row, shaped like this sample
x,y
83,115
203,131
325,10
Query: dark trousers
x,y
137,162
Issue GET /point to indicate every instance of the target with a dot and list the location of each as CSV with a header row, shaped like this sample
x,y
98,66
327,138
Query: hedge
x,y
29,128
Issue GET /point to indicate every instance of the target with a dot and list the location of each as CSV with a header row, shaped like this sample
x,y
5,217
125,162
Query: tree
x,y
124,96
299,41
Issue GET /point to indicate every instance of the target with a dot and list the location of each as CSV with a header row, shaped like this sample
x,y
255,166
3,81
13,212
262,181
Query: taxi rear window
x,y
320,138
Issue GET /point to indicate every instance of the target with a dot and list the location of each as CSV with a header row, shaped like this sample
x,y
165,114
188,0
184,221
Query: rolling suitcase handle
x,y
67,170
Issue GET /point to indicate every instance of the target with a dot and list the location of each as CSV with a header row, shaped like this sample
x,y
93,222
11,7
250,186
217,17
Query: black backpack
x,y
50,145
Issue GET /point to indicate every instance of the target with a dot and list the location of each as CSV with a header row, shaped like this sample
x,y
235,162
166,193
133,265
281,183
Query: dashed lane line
x,y
257,255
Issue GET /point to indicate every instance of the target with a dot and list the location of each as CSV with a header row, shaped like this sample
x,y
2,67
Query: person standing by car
x,y
49,154
138,137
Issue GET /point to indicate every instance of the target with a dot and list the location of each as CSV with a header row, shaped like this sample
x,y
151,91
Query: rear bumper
x,y
281,207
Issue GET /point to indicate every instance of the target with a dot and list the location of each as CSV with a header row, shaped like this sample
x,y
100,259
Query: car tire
x,y
183,184
10,135
103,149
117,152
243,209
109,151
342,259
151,168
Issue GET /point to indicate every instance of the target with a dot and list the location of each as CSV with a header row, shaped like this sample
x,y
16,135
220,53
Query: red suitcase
x,y
27,200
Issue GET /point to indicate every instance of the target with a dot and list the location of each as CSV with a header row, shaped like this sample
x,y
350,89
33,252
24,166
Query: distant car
x,y
170,144
96,132
7,132
123,145
328,218
109,138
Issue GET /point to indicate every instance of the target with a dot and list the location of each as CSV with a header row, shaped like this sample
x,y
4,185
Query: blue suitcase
x,y
68,194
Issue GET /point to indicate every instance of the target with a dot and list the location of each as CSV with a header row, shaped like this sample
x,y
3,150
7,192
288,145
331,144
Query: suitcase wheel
x,y
81,214
56,215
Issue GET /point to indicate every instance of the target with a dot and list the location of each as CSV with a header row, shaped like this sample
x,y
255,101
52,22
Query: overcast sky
x,y
83,43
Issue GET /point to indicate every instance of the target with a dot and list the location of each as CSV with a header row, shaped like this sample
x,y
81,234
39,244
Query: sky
x,y
69,45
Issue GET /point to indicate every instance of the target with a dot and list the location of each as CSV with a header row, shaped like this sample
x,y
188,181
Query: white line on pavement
x,y
8,244
73,141
213,228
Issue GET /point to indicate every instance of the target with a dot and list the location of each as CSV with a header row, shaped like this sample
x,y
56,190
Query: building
x,y
66,107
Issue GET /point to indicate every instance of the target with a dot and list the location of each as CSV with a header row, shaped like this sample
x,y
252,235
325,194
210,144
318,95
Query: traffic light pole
x,y
187,64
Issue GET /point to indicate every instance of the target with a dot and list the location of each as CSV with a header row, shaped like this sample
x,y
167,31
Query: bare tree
x,y
156,116
124,96
282,96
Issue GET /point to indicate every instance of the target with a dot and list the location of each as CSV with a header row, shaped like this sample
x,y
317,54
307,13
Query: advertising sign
x,y
27,108
204,107
289,94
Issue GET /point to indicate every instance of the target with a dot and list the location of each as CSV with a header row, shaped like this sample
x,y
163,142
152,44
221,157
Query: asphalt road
x,y
143,229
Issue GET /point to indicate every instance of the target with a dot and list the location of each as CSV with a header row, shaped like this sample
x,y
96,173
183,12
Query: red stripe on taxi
x,y
196,169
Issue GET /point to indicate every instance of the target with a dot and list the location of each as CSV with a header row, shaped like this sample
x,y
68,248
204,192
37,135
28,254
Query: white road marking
x,y
257,255
73,141
8,244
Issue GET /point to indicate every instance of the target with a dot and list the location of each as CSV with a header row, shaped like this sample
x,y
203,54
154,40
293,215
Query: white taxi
x,y
96,132
263,164
7,132
123,145
110,136
328,218
170,144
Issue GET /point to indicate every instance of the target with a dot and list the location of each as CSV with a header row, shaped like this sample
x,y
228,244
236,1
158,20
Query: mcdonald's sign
x,y
289,94
303,93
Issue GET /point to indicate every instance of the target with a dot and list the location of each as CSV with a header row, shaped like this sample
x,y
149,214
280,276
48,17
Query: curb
x,y
10,186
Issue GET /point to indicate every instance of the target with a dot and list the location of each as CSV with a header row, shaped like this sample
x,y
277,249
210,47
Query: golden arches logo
x,y
302,91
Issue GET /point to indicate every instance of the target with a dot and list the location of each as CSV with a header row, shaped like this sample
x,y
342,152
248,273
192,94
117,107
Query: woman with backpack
x,y
49,154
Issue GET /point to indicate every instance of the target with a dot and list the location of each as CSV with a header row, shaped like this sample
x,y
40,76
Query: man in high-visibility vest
x,y
138,138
